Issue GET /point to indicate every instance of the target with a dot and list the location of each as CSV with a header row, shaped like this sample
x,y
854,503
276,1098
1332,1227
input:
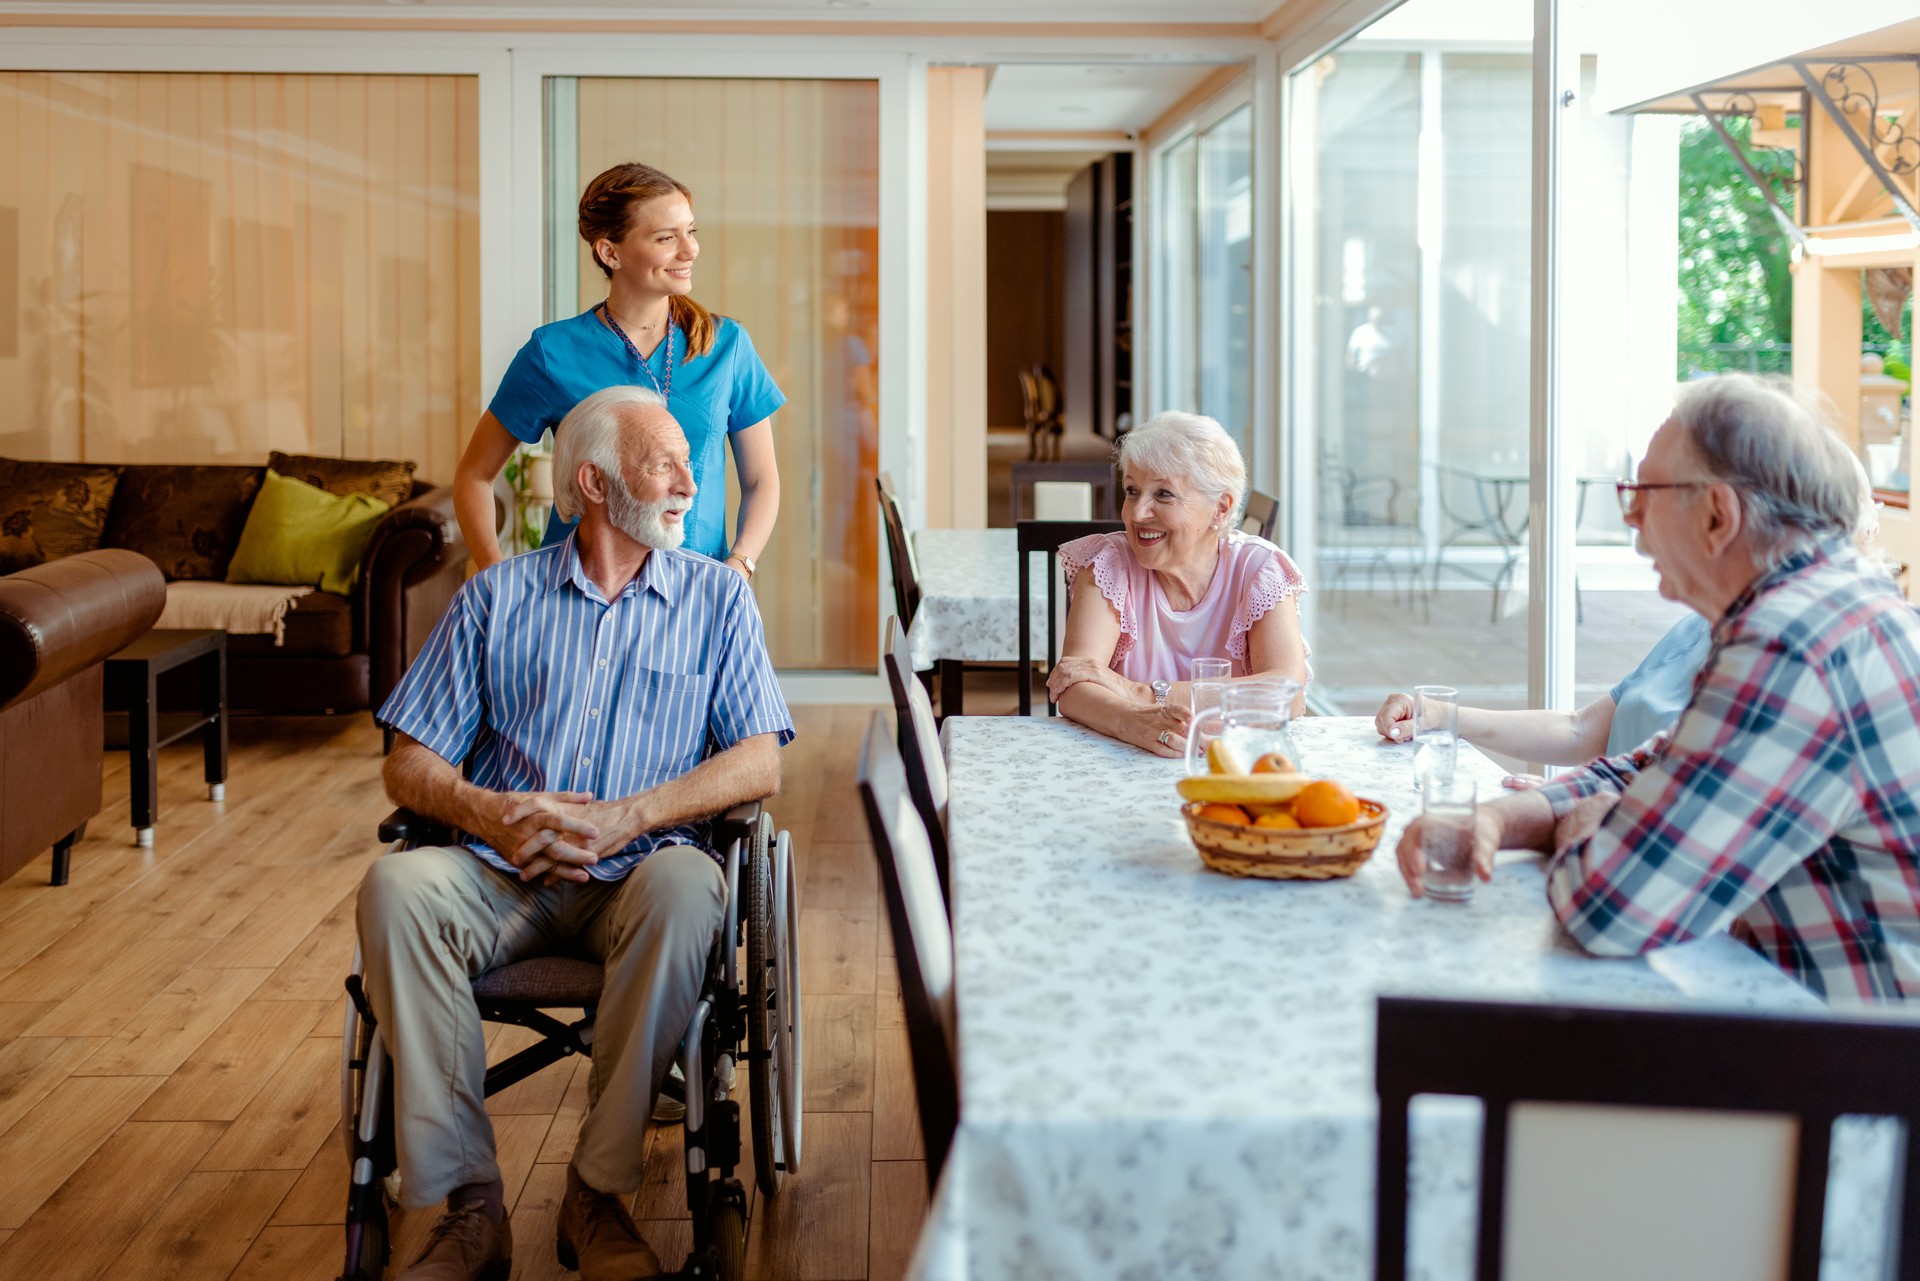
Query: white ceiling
x,y
1083,98
962,11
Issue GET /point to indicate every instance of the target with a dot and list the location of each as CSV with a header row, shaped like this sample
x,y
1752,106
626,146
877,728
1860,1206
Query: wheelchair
x,y
748,1012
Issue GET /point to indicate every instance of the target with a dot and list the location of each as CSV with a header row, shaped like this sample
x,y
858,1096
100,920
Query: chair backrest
x,y
1046,393
1581,1074
1029,398
919,742
1044,536
1262,515
922,939
906,574
1106,489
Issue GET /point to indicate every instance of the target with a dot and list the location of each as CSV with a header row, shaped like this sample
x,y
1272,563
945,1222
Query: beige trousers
x,y
431,919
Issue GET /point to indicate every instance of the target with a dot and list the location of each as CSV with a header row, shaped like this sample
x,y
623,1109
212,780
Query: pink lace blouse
x,y
1158,642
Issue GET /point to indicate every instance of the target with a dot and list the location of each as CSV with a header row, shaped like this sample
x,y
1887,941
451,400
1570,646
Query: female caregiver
x,y
648,333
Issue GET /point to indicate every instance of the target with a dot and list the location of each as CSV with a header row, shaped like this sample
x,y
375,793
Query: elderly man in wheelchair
x,y
609,693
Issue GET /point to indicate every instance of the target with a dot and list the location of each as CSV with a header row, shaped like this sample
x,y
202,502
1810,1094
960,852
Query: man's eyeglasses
x,y
1629,491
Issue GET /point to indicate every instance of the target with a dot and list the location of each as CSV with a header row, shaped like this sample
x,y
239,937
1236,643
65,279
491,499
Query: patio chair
x,y
920,753
922,940
1717,1067
1364,520
1045,536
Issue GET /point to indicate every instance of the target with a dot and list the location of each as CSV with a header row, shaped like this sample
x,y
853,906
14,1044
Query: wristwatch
x,y
744,560
1160,691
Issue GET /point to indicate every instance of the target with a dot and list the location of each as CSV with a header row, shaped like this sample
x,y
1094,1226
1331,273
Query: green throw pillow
x,y
304,537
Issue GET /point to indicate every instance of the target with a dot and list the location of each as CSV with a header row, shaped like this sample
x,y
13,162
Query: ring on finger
x,y
1166,738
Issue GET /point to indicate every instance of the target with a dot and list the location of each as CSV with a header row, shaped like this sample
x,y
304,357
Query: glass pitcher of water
x,y
1256,716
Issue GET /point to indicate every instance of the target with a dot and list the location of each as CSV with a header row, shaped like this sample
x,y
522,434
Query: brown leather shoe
x,y
596,1236
465,1245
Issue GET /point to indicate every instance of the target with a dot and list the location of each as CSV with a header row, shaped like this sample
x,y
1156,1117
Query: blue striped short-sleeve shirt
x,y
552,687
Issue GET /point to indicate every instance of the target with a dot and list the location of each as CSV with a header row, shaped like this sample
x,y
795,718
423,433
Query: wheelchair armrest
x,y
409,828
737,824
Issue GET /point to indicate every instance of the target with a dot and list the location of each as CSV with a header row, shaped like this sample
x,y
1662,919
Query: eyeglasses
x,y
1628,492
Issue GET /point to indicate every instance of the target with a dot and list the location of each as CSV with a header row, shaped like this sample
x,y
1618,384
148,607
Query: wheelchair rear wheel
x,y
764,995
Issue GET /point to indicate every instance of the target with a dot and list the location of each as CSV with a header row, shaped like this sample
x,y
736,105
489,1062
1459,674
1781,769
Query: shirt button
x,y
586,760
603,662
593,711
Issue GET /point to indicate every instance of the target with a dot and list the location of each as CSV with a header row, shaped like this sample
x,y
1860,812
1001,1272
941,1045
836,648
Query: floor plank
x,y
293,1254
120,988
158,1039
838,1072
287,1121
79,1230
205,1227
896,1112
63,1130
220,1078
899,1208
816,1229
32,1066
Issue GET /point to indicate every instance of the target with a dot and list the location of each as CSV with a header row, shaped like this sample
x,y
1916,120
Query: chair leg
x,y
952,687
63,855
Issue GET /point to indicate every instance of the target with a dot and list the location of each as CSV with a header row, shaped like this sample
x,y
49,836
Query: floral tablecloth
x,y
1167,1073
970,595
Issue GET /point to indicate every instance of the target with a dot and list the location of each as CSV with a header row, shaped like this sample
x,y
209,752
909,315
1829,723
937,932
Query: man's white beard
x,y
646,523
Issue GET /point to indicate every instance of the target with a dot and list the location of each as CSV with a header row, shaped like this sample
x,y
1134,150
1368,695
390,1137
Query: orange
x,y
1325,803
1274,763
1221,813
1279,818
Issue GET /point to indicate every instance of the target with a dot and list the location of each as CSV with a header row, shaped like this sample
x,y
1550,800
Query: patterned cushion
x,y
187,520
50,510
389,481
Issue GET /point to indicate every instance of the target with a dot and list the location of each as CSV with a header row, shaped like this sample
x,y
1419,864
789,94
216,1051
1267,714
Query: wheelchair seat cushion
x,y
543,981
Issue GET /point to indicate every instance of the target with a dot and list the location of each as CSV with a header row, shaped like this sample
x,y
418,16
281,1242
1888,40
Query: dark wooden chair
x,y
1813,1070
1262,515
906,578
1106,488
1045,536
922,940
919,743
1051,421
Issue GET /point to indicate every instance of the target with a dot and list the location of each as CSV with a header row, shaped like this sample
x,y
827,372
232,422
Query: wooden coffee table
x,y
132,686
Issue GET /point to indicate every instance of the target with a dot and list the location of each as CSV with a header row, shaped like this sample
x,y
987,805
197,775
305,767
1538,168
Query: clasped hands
x,y
1147,721
559,835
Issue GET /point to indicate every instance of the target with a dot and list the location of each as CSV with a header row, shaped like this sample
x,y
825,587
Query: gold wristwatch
x,y
744,560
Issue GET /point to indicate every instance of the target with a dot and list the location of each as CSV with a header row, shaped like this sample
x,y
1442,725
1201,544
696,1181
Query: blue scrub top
x,y
725,391
1654,694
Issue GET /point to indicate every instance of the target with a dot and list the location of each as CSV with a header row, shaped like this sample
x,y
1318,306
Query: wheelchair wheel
x,y
730,1239
786,1046
375,1247
763,993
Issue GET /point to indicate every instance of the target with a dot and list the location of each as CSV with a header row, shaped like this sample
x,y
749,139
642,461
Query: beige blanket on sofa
x,y
240,608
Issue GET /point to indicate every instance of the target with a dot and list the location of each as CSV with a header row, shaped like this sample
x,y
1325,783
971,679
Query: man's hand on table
x,y
1522,820
1584,819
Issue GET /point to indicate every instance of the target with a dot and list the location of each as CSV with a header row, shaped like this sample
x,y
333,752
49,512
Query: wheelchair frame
x,y
745,1014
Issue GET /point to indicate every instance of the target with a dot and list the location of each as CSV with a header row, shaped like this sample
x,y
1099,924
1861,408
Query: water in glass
x,y
1448,806
1436,721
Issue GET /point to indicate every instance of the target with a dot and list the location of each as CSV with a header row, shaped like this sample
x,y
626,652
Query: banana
x,y
1243,789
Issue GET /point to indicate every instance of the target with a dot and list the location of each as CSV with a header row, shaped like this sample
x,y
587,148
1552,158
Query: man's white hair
x,y
1190,446
590,433
1796,480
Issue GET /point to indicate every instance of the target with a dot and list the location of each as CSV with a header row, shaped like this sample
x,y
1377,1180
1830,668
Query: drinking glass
x,y
1257,717
1449,805
1436,731
1209,678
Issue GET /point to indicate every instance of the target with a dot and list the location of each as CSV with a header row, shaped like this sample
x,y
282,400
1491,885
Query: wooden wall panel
x,y
212,266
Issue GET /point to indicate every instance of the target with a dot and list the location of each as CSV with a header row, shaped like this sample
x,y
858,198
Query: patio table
x,y
1167,1073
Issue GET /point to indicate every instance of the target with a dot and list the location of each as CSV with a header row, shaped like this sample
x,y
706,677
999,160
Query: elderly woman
x,y
1181,582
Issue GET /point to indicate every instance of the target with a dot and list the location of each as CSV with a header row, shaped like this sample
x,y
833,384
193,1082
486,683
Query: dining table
x,y
1166,1072
969,603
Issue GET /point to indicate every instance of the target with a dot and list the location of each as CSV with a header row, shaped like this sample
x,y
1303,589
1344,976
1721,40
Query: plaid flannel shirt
x,y
1784,804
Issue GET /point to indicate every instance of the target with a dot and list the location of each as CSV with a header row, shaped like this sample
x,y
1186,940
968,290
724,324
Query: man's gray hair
x,y
1797,481
590,433
1191,446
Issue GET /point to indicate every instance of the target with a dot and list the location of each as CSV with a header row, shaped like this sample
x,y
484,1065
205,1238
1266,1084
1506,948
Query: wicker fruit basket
x,y
1287,854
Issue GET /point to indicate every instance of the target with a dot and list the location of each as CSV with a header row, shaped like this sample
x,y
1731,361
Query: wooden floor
x,y
170,1036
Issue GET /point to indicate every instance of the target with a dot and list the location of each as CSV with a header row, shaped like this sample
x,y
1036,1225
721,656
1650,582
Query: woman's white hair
x,y
1192,446
590,433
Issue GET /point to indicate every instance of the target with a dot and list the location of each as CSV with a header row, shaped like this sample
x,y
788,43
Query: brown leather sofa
x,y
338,653
59,622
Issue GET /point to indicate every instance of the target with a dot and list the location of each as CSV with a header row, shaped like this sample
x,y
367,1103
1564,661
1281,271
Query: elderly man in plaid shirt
x,y
1784,805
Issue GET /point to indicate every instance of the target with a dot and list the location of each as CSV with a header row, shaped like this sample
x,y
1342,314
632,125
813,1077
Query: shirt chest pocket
x,y
665,718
